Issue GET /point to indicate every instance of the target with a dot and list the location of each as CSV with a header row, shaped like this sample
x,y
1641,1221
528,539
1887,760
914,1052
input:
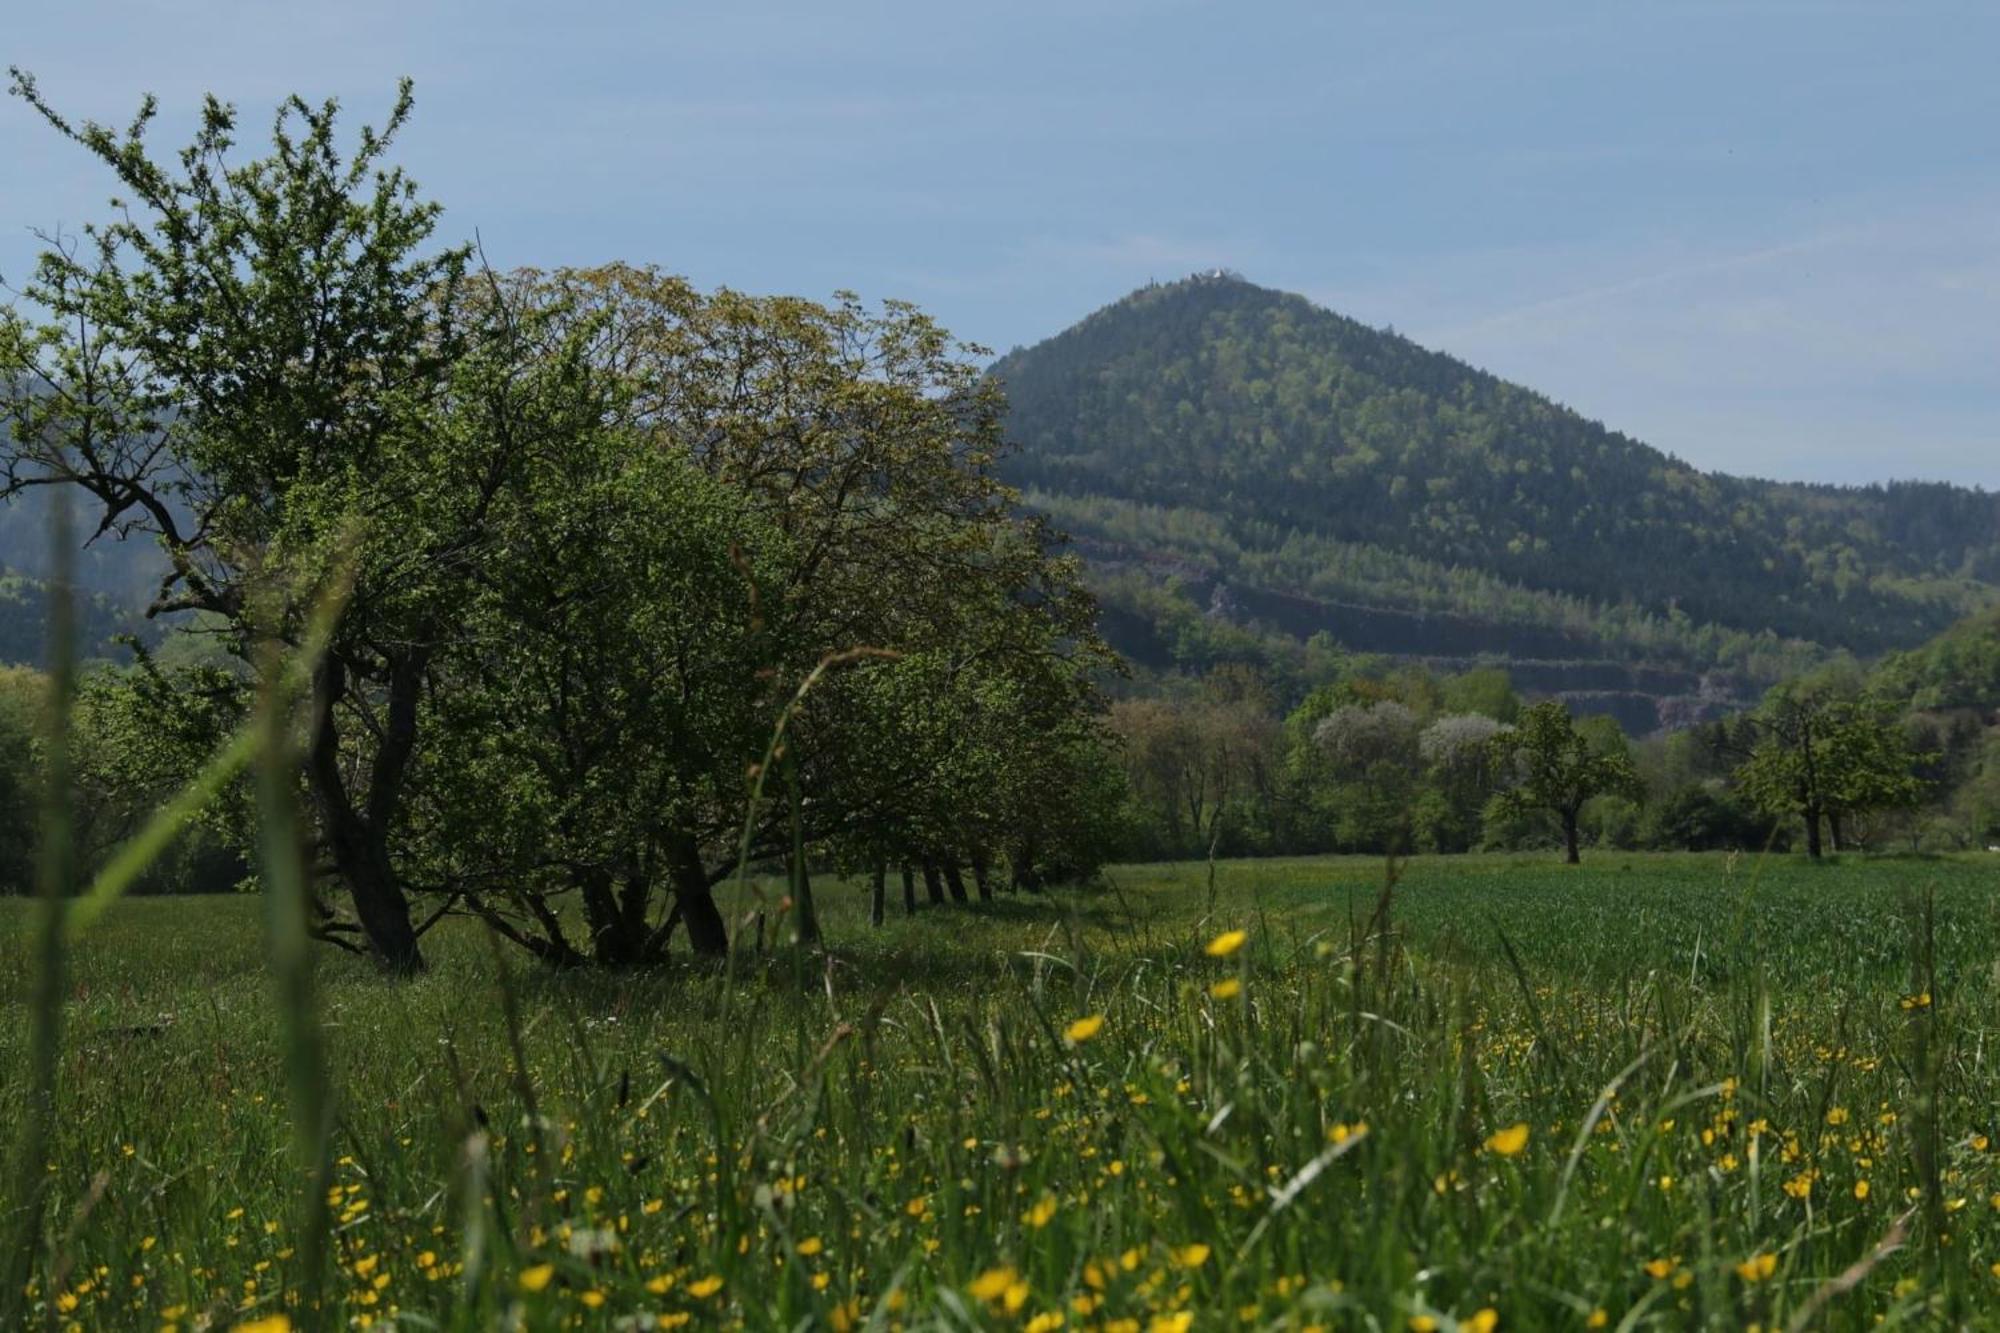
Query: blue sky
x,y
1764,236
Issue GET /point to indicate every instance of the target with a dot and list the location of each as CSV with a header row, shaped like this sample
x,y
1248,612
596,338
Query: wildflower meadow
x,y
1470,1093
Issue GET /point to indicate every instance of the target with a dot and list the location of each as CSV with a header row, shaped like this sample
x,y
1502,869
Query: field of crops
x,y
1655,1092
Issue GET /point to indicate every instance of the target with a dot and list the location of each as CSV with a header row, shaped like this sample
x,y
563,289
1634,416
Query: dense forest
x,y
1243,437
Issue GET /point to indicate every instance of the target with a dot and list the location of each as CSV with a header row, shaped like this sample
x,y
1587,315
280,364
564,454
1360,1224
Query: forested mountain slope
x,y
1957,670
1245,439
113,577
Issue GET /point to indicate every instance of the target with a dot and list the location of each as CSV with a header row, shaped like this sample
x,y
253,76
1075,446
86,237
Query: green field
x,y
1658,1091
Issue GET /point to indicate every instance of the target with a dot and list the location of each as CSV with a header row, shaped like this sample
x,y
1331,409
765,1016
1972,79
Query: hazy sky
x,y
1764,236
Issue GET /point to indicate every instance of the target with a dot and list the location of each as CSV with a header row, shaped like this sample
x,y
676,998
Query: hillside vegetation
x,y
1240,436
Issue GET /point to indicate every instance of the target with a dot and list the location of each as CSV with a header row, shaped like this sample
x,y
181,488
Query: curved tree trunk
x,y
956,880
933,882
708,936
982,874
909,890
610,944
358,838
1025,876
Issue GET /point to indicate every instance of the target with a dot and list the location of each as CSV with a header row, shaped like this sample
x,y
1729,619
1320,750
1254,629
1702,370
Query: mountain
x,y
114,579
1284,471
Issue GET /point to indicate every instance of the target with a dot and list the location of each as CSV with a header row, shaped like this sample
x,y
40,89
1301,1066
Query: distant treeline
x,y
1389,757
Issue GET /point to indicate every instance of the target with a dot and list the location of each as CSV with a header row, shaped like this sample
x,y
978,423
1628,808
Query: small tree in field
x,y
1818,756
1558,768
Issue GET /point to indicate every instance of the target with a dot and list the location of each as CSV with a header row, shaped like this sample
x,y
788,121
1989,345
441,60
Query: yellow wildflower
x,y
1083,1029
992,1284
1758,1267
1228,942
276,1323
1510,1141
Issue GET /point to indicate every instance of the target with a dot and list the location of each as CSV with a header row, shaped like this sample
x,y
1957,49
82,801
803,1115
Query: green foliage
x,y
1959,669
615,548
1251,435
21,692
1557,766
1820,754
1703,817
1710,1059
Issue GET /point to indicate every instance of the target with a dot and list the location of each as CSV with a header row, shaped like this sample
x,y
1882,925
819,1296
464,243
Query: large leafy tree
x,y
1817,754
614,692
1558,767
857,447
604,534
261,365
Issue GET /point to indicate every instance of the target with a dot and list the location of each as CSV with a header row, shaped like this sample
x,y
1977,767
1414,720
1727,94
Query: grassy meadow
x,y
1652,1092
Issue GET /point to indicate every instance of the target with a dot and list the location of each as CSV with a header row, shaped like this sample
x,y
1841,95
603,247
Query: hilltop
x,y
1240,455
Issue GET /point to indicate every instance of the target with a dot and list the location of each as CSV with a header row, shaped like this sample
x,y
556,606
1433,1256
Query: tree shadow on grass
x,y
943,947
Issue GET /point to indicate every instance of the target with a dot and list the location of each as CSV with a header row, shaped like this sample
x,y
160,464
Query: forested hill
x,y
1246,435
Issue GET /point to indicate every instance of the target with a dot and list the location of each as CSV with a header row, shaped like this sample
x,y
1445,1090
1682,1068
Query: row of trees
x,y
1396,759
635,586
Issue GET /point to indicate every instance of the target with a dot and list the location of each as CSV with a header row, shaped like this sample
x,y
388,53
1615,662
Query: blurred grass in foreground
x,y
1661,1091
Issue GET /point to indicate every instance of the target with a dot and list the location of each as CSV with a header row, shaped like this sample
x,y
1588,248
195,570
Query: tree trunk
x,y
384,913
1812,832
610,945
909,890
878,892
1569,838
802,893
359,841
708,935
956,880
934,882
1025,876
1833,831
982,874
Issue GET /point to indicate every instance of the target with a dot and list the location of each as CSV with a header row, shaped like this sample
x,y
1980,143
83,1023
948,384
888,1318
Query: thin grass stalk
x,y
281,862
55,869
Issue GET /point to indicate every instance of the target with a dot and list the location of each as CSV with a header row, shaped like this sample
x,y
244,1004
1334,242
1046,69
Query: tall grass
x,y
1373,1113
54,870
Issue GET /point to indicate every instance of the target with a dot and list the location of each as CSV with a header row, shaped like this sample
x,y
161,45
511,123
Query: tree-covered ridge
x,y
1277,418
1959,669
